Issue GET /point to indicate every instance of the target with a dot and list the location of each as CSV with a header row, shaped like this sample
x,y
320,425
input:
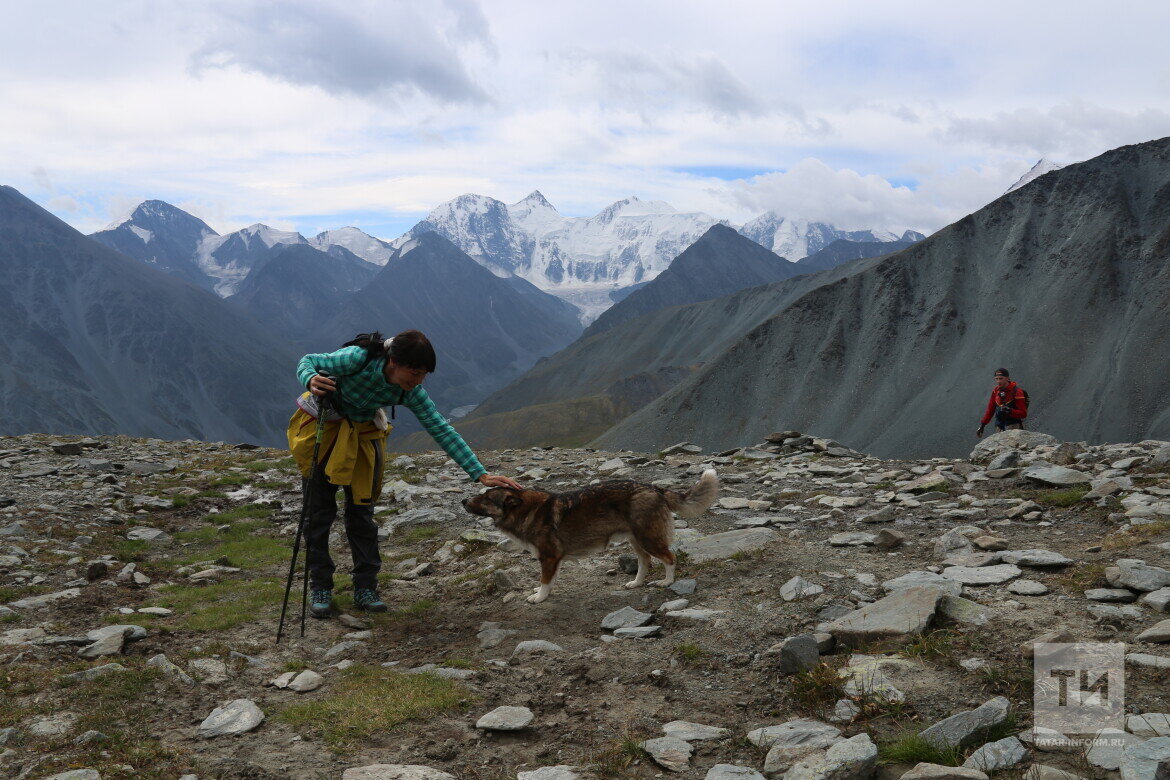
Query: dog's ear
x,y
511,501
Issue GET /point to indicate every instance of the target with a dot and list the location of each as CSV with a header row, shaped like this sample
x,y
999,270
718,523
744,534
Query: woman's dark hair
x,y
410,348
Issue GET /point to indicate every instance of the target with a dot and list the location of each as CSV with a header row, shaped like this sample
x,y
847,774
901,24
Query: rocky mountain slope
x,y
96,342
1064,281
501,329
837,616
162,236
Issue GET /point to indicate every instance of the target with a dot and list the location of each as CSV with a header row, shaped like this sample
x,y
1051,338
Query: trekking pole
x,y
306,503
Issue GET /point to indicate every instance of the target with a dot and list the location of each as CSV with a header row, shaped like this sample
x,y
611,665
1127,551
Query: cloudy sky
x,y
315,114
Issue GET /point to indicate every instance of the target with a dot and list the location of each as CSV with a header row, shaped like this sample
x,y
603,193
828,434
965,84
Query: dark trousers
x,y
1003,421
360,529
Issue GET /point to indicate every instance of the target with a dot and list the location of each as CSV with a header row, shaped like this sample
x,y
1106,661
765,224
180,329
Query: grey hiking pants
x,y
360,530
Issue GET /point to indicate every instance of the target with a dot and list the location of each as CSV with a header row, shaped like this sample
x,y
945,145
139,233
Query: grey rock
x,y
1158,600
798,654
1137,575
963,610
561,772
637,632
923,579
1149,724
732,772
1005,460
395,772
1040,559
1057,476
1111,595
506,719
852,759
1159,632
803,732
535,646
493,637
1147,761
851,539
724,545
108,643
694,614
960,730
52,725
625,618
1027,588
926,771
990,446
670,753
1001,754
982,575
798,588
884,515
168,669
896,618
888,539
36,602
1107,749
209,671
144,534
692,732
1045,772
76,774
683,587
90,737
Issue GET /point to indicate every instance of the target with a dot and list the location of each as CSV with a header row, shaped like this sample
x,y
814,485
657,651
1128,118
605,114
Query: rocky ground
x,y
839,617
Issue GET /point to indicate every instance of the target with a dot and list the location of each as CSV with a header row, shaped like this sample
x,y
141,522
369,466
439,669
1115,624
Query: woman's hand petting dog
x,y
492,480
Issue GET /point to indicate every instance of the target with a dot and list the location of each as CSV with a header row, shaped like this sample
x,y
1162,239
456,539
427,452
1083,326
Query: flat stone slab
x,y
922,578
1136,575
982,575
35,602
695,614
895,618
1147,761
531,646
1040,559
1108,748
692,732
799,588
1149,724
637,632
561,772
1028,588
234,717
1057,476
395,772
625,618
724,545
506,719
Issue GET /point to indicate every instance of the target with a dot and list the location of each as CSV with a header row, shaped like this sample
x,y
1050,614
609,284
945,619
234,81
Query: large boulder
x,y
1056,476
852,759
993,445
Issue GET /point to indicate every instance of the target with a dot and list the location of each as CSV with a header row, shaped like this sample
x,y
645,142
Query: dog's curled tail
x,y
698,499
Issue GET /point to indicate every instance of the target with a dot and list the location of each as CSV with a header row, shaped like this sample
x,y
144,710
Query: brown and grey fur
x,y
556,526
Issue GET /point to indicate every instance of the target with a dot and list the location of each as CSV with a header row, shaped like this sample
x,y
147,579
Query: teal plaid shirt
x,y
363,391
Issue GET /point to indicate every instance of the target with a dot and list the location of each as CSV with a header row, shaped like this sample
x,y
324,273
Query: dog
x,y
555,526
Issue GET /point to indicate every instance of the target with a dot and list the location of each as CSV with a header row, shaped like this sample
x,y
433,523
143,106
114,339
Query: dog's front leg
x,y
548,573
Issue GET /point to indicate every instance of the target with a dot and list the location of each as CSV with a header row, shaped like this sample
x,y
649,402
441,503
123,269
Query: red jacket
x,y
1013,396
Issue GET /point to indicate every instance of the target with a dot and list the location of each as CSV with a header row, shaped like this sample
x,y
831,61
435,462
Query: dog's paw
x,y
662,583
536,598
633,584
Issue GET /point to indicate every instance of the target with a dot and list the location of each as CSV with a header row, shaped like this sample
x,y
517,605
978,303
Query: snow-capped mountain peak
x,y
271,236
536,215
795,238
1042,166
367,247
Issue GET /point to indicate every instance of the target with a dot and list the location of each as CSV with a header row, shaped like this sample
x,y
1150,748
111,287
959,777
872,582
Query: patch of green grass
x,y
13,592
615,759
272,485
689,651
297,665
418,533
240,545
178,502
912,749
368,700
239,513
257,466
817,689
220,606
128,550
1082,576
460,663
210,494
13,618
1061,498
933,644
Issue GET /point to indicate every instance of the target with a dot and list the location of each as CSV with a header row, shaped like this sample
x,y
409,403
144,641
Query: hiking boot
x,y
367,599
319,602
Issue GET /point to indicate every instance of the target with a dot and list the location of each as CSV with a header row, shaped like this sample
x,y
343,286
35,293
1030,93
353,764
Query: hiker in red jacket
x,y
1008,404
